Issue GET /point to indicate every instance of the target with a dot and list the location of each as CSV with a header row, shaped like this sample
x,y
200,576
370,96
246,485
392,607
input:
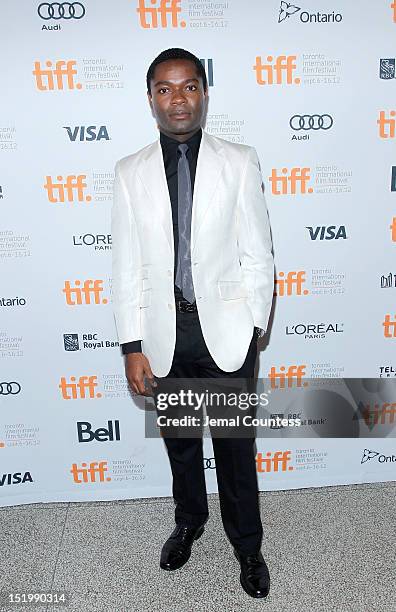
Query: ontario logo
x,y
287,10
369,455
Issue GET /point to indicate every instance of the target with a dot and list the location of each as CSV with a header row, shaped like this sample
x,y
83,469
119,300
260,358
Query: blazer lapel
x,y
210,163
209,167
152,173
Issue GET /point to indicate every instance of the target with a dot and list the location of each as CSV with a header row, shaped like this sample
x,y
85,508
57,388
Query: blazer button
x,y
170,306
169,273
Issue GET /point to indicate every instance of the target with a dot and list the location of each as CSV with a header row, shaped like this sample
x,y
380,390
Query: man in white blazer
x,y
192,291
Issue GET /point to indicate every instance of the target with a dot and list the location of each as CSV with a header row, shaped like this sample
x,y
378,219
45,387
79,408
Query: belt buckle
x,y
185,306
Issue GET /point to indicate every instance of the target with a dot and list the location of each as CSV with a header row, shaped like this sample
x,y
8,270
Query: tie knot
x,y
183,148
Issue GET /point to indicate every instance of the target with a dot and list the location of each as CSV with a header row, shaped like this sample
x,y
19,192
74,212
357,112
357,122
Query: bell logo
x,y
387,124
287,184
389,326
291,284
293,374
83,389
393,229
72,188
276,462
58,78
149,15
278,71
77,295
94,473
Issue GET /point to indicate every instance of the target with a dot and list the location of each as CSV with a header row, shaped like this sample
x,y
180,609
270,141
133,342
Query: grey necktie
x,y
184,193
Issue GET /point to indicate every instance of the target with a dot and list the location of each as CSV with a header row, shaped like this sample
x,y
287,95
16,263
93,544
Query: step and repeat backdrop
x,y
311,86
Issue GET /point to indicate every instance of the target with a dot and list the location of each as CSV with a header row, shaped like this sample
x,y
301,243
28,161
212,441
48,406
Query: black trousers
x,y
234,457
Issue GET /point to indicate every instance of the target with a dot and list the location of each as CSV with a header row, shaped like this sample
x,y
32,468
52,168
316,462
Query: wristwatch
x,y
259,332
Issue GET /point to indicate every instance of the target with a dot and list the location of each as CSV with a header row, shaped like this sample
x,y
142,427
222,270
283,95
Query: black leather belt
x,y
185,306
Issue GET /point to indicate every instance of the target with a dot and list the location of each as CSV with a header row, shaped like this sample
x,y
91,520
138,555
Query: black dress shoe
x,y
255,578
177,549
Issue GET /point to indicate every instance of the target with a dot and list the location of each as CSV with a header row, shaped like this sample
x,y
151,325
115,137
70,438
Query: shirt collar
x,y
170,144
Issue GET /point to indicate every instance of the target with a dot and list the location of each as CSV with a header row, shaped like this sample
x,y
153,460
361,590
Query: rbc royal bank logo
x,y
160,14
57,78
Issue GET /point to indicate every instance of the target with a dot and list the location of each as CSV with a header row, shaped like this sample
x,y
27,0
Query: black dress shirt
x,y
171,155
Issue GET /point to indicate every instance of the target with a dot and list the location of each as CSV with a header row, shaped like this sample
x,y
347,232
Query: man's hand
x,y
137,367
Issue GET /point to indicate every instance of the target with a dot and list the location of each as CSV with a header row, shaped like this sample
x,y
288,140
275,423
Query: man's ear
x,y
150,101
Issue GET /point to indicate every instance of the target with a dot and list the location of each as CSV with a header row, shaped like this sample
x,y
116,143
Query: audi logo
x,y
311,122
61,10
9,388
209,464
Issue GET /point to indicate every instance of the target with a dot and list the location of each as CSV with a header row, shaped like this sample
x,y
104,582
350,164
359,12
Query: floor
x,y
330,548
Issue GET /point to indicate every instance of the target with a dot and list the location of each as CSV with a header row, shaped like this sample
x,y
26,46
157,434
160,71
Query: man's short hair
x,y
176,54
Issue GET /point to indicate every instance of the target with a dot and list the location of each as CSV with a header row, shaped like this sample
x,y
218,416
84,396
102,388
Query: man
x,y
192,290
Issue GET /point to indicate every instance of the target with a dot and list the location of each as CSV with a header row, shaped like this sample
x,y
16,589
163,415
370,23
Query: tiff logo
x,y
157,15
386,124
291,284
278,461
50,78
83,389
73,188
280,72
288,184
77,295
379,415
389,326
392,228
94,473
293,374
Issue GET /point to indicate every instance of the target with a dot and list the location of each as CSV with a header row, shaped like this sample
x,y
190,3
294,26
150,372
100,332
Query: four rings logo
x,y
9,388
209,464
61,10
311,122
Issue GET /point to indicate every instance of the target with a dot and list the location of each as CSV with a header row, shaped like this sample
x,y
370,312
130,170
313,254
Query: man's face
x,y
177,98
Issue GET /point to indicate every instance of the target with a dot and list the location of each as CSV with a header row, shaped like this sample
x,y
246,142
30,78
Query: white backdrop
x,y
312,87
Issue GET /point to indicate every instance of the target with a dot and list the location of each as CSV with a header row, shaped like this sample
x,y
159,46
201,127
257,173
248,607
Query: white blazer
x,y
232,263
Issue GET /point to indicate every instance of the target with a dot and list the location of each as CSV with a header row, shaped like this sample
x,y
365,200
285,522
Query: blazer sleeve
x,y
126,263
254,241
